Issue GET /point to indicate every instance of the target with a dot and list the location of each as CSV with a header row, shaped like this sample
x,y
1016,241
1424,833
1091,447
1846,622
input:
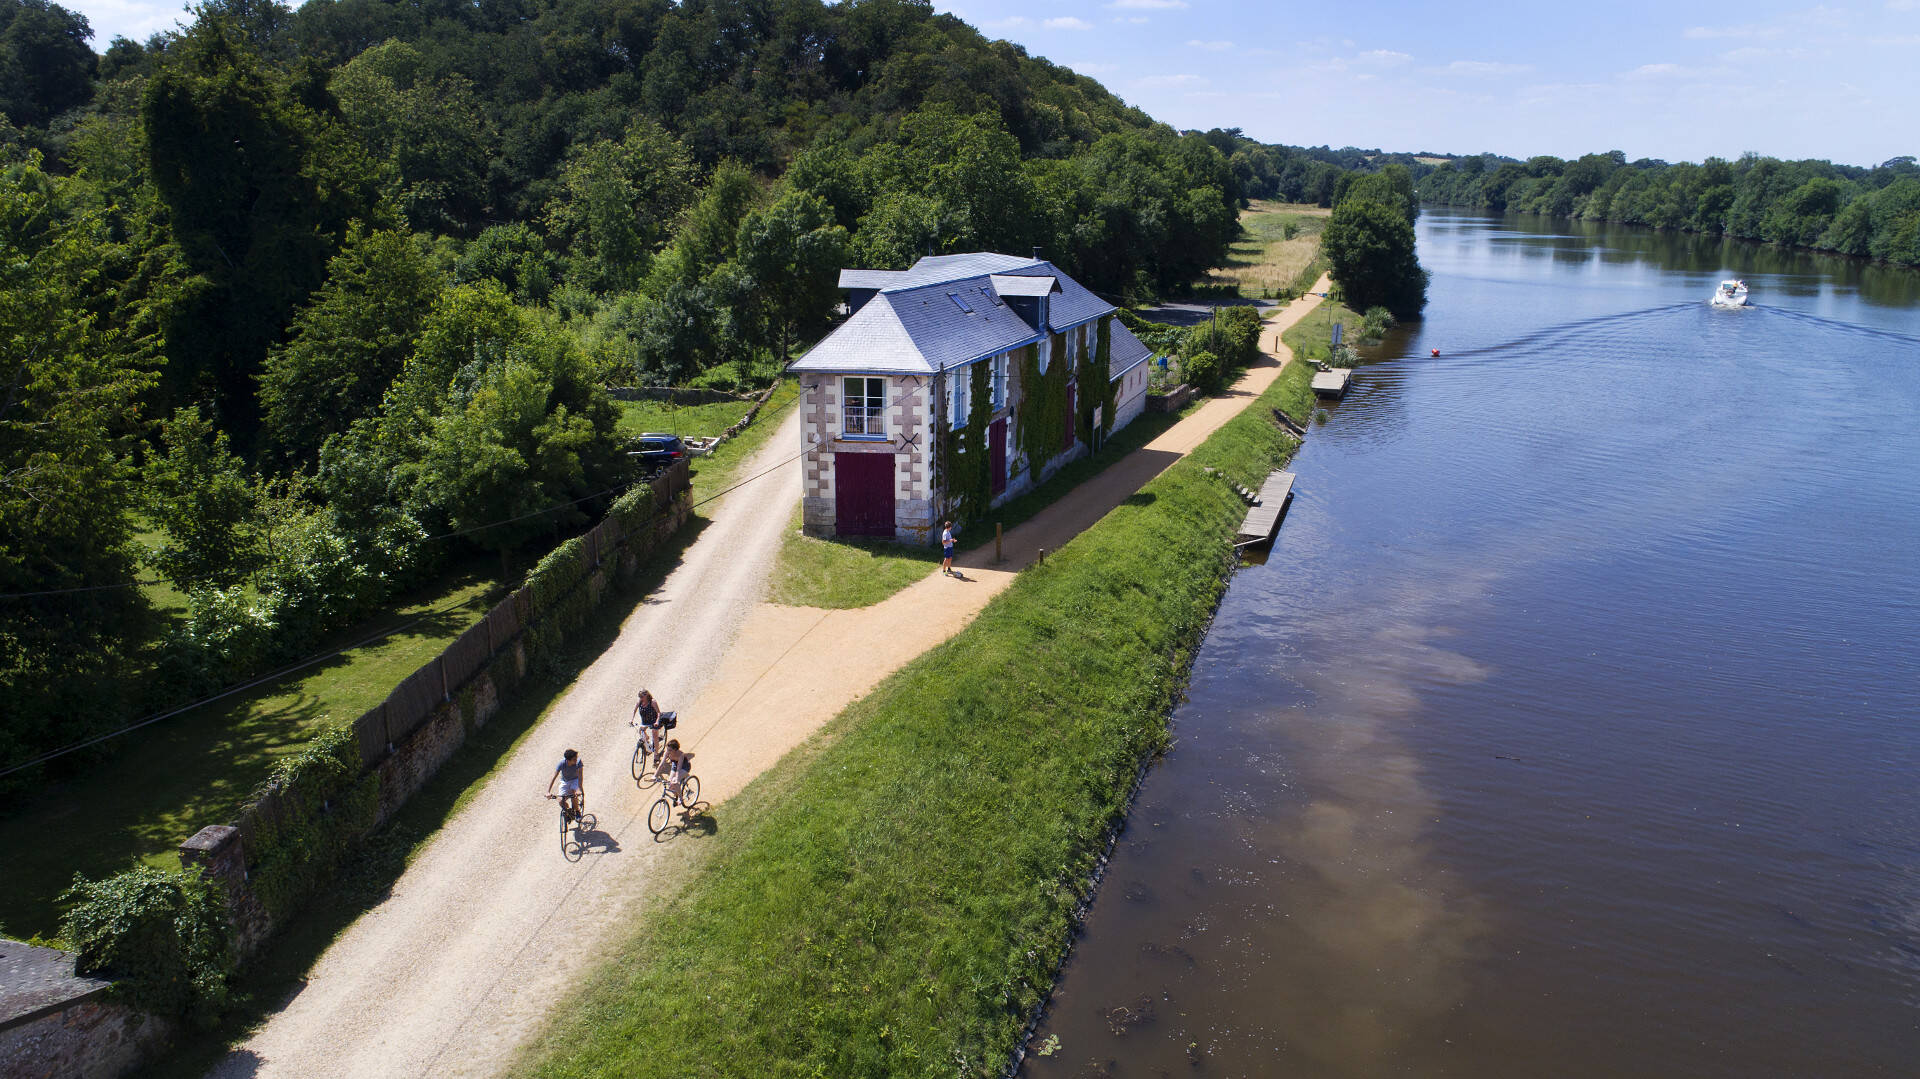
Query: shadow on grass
x,y
278,973
138,797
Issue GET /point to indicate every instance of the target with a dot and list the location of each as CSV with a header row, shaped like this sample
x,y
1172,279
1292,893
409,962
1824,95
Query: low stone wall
x,y
679,395
459,708
54,1022
1171,401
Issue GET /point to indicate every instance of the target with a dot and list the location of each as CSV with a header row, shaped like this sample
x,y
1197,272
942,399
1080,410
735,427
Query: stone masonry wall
x,y
54,1023
220,851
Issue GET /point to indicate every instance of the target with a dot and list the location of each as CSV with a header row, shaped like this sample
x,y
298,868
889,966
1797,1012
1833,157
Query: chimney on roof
x,y
1036,253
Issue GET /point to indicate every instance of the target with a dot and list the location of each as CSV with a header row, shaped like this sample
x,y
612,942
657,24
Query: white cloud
x,y
1903,5
1703,33
1169,81
1210,46
1384,57
1483,67
1149,5
1657,71
1067,22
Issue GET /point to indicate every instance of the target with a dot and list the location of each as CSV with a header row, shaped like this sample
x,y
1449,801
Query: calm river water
x,y
1573,727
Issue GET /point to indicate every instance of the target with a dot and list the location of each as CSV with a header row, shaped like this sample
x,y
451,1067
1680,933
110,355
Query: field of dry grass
x,y
1280,240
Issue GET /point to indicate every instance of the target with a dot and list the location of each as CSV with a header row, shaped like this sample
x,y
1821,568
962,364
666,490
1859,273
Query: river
x,y
1572,727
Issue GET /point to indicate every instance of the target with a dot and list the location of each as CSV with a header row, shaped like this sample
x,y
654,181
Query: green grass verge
x,y
165,782
1308,337
367,877
687,421
894,898
844,573
715,473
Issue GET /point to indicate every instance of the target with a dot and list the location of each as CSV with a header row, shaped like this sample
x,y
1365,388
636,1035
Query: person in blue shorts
x,y
946,548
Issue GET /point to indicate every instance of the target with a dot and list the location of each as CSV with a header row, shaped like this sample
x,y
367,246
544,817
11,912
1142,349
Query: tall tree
x,y
1369,246
46,66
261,189
790,252
617,204
349,343
197,492
70,385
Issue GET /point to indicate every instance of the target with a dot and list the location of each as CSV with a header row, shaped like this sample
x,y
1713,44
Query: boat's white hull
x,y
1729,295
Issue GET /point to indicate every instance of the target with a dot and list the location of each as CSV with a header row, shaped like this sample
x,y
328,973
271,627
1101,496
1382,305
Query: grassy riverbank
x,y
1308,338
894,897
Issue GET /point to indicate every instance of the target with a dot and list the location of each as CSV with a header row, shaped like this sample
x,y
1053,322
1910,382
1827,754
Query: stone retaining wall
x,y
54,1022
405,765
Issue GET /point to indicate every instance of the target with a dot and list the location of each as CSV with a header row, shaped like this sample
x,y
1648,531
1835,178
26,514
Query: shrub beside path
x,y
489,926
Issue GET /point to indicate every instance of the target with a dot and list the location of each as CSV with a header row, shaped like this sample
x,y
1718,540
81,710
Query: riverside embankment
x,y
894,896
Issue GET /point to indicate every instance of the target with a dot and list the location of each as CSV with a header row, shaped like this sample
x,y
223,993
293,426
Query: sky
x,y
1672,80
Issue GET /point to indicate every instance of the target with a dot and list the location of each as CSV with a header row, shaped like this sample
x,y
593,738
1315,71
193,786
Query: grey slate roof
x,y
1124,350
1015,285
914,325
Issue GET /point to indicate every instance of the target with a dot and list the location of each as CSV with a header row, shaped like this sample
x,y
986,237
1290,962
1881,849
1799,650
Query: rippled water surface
x,y
1573,727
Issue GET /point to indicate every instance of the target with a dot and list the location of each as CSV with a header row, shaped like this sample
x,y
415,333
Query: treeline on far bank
x,y
302,305
1869,212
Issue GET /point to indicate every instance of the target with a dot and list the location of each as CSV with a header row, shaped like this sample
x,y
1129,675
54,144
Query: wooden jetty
x,y
1332,381
1263,520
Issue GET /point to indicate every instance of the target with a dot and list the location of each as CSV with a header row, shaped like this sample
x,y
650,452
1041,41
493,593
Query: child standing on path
x,y
946,547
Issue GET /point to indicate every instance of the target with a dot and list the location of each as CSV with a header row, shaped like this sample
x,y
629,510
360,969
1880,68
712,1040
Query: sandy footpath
x,y
485,930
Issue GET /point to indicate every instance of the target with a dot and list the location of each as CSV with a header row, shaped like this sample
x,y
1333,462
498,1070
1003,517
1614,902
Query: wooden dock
x,y
1332,382
1263,520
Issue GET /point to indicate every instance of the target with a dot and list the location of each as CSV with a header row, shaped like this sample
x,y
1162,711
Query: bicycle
x,y
683,795
574,826
646,750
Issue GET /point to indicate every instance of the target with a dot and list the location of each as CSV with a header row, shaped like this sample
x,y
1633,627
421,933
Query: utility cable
x,y
311,660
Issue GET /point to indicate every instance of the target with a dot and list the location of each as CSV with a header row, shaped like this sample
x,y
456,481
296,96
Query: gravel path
x,y
489,925
484,930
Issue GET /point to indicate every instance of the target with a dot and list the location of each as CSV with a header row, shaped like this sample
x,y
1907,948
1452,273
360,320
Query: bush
x,y
162,935
1203,371
1375,323
321,805
224,639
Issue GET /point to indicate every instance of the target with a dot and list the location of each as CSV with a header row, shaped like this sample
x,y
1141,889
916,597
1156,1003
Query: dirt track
x,y
484,931
477,940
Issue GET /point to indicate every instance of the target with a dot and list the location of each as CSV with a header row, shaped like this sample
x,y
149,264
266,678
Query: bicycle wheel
x,y
587,822
639,760
658,816
690,791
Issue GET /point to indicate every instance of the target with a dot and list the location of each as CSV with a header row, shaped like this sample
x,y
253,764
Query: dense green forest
x,y
301,305
1815,204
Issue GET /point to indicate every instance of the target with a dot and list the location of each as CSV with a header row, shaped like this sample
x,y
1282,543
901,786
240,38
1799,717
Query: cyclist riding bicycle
x,y
653,724
572,774
674,766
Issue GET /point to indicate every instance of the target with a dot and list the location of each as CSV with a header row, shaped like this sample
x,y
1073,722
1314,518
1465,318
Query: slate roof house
x,y
953,386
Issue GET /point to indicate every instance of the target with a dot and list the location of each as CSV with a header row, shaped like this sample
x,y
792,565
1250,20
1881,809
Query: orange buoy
x,y
1436,352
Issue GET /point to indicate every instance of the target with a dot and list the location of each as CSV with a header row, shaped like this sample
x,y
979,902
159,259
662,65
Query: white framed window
x,y
863,408
1046,353
960,394
999,381
1073,349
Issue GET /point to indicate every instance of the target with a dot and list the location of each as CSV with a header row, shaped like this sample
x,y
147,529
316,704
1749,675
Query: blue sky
x,y
1678,81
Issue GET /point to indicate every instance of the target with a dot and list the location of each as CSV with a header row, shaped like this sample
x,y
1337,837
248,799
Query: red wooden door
x,y
997,455
1066,440
863,494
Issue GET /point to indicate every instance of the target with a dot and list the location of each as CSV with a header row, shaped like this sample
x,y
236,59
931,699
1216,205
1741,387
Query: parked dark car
x,y
657,451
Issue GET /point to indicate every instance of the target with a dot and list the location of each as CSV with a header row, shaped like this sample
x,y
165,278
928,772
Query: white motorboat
x,y
1730,294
